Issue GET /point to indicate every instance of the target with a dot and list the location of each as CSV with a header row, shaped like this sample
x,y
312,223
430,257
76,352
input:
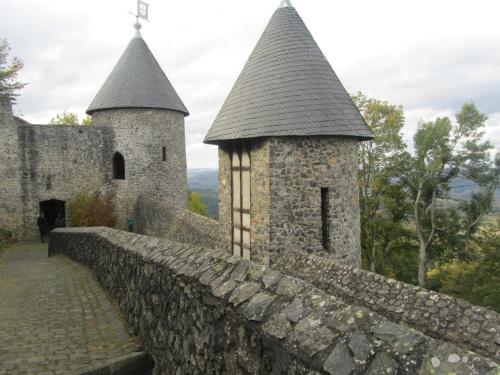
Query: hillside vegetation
x,y
430,217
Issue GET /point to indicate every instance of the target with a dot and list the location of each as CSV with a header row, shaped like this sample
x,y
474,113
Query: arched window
x,y
118,166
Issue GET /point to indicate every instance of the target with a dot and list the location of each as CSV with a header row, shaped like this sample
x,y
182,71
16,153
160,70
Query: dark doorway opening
x,y
118,166
55,213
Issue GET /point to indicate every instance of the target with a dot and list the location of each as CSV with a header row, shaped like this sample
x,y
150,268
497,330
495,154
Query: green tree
x,y
87,121
70,118
196,204
479,170
65,118
379,166
9,85
442,152
476,280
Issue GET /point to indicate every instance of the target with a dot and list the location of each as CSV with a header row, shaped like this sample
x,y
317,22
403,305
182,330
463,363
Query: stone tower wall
x,y
10,170
287,175
299,168
140,135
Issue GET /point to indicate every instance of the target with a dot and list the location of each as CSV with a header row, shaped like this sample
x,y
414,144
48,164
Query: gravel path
x,y
54,316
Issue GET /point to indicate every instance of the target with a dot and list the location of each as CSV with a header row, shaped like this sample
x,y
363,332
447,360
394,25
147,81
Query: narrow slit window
x,y
164,153
325,235
240,175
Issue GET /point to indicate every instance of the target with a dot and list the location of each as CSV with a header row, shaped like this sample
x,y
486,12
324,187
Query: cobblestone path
x,y
54,316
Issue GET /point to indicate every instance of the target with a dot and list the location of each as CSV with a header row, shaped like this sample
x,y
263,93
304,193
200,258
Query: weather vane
x,y
142,11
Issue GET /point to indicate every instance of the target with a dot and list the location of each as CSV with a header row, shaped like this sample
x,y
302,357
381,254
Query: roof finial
x,y
286,4
142,12
137,27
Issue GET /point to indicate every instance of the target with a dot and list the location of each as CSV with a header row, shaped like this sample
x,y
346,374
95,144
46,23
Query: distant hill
x,y
206,182
463,188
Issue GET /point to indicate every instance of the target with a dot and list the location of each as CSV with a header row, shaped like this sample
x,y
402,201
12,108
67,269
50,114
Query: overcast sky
x,y
427,55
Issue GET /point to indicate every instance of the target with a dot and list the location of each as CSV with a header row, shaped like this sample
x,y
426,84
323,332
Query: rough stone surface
x,y
177,224
39,163
287,175
54,316
140,135
340,361
437,315
44,162
168,292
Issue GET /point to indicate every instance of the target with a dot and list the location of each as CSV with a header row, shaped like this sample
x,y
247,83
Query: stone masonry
x,y
438,315
140,136
137,116
287,175
44,162
201,311
10,170
164,220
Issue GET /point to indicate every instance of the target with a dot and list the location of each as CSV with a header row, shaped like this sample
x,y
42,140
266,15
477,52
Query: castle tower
x,y
10,170
140,104
288,137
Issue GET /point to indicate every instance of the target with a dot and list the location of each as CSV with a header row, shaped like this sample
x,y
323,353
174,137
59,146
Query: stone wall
x,y
10,171
39,163
201,311
59,162
177,224
42,162
287,175
140,135
438,315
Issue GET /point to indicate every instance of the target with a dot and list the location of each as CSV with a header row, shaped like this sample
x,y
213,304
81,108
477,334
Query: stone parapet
x,y
202,311
178,224
438,315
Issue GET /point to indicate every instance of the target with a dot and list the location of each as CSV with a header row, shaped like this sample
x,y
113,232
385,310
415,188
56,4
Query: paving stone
x,y
54,314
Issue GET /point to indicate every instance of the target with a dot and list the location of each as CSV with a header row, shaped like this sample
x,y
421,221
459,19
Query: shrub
x,y
92,210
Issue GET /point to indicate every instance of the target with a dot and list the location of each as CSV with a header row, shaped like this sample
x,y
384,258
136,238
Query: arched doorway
x,y
55,212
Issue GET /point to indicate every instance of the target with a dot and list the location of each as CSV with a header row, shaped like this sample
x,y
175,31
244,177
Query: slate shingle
x,y
137,81
287,88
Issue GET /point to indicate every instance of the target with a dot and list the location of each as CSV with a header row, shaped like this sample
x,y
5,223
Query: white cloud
x,y
429,56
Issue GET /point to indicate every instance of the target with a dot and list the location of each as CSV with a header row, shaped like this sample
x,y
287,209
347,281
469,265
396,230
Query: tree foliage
x,y
411,222
69,118
379,165
65,118
92,210
196,204
87,121
477,280
443,151
9,85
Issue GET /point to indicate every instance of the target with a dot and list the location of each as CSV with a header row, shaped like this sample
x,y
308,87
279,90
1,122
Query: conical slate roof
x,y
137,81
287,88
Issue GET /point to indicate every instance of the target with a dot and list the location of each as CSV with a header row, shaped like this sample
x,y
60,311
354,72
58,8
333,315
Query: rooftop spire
x,y
286,4
287,88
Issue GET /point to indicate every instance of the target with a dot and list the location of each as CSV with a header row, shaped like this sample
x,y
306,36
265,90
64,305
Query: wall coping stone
x,y
437,315
247,318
